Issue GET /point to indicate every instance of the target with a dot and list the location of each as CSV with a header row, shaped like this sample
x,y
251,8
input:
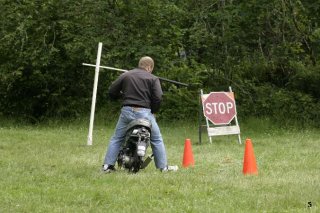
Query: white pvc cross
x,y
95,85
94,94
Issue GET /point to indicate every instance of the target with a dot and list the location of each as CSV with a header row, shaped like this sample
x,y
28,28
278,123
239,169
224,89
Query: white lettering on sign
x,y
208,108
218,108
229,106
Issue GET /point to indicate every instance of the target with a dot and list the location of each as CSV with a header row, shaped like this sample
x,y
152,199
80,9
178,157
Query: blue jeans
x,y
127,115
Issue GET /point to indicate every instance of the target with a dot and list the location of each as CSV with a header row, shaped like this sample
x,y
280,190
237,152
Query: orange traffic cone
x,y
187,155
249,161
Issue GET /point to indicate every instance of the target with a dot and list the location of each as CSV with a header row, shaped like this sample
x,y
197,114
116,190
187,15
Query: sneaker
x,y
170,168
108,168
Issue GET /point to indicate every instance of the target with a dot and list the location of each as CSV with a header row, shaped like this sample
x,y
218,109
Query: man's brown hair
x,y
146,62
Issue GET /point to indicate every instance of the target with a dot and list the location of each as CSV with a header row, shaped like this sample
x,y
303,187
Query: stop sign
x,y
219,107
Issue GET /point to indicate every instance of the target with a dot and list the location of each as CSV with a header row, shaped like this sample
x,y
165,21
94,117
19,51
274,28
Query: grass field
x,y
49,168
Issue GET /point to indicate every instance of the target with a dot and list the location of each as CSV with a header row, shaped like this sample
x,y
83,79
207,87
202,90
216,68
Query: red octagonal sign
x,y
219,107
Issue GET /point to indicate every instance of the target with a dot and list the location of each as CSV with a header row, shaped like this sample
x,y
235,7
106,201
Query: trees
x,y
255,46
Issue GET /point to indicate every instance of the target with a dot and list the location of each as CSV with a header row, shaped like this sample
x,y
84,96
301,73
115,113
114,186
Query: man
x,y
141,92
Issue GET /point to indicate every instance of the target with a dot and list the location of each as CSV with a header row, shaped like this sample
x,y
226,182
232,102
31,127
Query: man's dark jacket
x,y
138,88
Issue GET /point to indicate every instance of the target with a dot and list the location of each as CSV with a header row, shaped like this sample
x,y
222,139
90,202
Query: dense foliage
x,y
268,51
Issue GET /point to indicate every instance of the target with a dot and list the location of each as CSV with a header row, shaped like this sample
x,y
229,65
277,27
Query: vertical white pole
x,y
236,119
94,94
207,122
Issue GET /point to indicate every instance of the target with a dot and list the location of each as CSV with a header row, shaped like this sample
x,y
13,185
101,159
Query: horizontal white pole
x,y
122,70
105,67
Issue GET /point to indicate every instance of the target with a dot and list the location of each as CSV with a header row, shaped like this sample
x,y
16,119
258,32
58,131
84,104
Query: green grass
x,y
49,168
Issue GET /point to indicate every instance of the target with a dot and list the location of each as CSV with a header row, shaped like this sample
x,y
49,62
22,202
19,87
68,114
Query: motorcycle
x,y
133,150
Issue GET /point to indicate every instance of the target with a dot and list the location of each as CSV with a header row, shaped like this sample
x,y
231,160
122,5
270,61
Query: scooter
x,y
137,140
